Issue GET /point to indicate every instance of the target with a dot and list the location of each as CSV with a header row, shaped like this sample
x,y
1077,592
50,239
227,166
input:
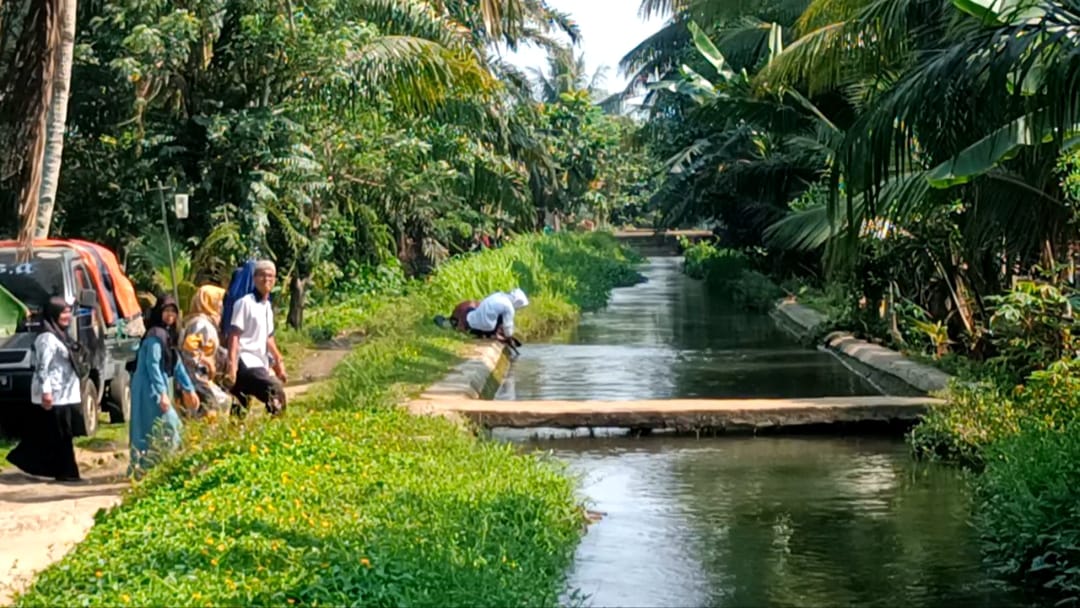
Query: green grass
x,y
109,437
731,275
349,500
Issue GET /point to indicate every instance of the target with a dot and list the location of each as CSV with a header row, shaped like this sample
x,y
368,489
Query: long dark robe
x,y
46,447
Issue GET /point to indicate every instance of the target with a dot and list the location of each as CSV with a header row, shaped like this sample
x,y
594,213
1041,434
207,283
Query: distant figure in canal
x,y
491,318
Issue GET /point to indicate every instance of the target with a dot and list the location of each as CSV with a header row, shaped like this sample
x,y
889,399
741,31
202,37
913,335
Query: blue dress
x,y
149,427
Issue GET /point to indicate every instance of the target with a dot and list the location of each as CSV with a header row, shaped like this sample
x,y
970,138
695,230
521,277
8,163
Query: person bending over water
x,y
492,317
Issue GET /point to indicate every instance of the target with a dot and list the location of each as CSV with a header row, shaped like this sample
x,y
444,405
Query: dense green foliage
x,y
349,499
862,164
731,275
1027,509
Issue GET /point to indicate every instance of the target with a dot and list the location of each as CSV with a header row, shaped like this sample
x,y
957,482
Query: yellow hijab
x,y
208,301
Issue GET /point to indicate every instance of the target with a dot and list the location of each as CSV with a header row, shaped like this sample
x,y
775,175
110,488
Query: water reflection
x,y
664,338
776,522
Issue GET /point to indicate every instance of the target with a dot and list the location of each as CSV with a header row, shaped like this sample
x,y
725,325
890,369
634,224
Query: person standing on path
x,y
252,344
56,418
154,422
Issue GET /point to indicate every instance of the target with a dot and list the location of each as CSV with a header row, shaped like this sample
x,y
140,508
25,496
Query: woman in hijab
x,y
46,448
154,425
201,348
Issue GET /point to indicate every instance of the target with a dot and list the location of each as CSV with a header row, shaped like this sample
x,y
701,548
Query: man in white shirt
x,y
494,317
252,344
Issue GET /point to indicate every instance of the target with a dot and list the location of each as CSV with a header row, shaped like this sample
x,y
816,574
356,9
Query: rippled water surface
x,y
773,522
743,521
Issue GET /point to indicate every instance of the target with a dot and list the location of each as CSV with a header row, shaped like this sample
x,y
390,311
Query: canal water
x,y
778,521
664,339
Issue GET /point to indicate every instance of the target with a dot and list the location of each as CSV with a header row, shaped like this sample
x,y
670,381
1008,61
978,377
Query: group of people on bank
x,y
191,358
212,377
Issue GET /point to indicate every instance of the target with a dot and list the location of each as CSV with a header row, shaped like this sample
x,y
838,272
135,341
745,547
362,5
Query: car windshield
x,y
32,282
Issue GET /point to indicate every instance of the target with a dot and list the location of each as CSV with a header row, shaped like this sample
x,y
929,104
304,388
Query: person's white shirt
x,y
254,319
53,372
486,316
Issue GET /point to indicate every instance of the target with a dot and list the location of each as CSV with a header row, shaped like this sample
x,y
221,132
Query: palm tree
x,y
743,31
566,73
739,156
24,101
54,147
915,149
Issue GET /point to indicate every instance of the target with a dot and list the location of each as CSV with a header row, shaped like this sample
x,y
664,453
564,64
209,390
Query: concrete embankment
x,y
803,321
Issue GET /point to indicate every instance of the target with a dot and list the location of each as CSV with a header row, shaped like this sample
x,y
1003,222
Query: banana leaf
x,y
12,313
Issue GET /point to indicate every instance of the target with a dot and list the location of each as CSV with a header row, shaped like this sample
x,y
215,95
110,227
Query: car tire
x,y
119,401
90,407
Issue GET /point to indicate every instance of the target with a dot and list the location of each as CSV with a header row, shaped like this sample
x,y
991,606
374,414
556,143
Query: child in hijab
x,y
201,348
155,425
56,418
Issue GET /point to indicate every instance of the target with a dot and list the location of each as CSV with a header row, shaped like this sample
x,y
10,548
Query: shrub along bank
x,y
349,500
731,273
1024,439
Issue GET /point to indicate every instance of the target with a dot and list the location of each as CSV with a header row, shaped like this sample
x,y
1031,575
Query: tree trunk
x,y
58,104
297,295
35,60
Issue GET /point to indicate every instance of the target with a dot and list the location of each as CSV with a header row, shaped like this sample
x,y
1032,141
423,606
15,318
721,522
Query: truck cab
x,y
60,271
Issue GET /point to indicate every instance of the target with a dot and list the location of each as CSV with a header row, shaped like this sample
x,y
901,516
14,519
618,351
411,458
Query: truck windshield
x,y
32,282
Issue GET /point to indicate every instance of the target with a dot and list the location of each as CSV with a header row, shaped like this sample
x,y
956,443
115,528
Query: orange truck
x,y
108,322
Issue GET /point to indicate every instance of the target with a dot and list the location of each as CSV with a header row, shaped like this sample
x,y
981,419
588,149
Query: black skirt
x,y
46,447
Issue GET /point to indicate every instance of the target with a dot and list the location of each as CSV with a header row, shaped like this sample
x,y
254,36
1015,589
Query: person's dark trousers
x,y
260,383
488,335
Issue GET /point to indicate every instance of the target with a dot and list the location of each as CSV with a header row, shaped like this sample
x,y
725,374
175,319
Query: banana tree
x,y
747,151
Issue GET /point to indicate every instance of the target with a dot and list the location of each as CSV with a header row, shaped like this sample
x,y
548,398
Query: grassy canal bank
x,y
348,499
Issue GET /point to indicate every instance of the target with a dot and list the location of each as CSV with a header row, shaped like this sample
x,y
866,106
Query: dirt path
x,y
40,521
317,363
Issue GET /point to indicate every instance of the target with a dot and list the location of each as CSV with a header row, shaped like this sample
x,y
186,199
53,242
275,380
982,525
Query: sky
x,y
609,29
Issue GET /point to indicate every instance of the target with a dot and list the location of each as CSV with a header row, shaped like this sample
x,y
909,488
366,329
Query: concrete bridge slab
x,y
686,414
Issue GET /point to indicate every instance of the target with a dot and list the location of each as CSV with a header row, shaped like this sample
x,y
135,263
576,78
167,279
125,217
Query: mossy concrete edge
x,y
485,362
803,322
